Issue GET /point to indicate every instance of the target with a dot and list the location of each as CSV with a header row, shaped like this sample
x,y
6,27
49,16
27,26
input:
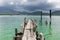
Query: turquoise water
x,y
9,23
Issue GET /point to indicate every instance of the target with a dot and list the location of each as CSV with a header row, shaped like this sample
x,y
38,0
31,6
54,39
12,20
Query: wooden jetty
x,y
28,31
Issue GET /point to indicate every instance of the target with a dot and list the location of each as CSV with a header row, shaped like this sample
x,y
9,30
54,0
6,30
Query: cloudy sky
x,y
30,5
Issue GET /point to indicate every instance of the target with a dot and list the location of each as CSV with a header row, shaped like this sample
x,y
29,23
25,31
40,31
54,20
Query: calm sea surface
x,y
9,23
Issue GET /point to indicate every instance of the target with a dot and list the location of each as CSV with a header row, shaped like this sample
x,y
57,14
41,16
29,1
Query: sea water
x,y
8,23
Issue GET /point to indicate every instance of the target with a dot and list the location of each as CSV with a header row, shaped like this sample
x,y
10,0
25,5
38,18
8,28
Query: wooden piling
x,y
50,17
15,38
41,17
50,14
15,31
50,24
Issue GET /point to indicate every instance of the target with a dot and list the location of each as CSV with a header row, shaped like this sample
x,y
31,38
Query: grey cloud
x,y
41,6
31,5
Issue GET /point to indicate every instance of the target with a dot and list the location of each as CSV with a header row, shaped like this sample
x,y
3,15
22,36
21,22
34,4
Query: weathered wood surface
x,y
29,34
28,31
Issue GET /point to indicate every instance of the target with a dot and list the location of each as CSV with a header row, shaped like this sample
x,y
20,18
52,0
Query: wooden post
x,y
50,14
15,31
50,17
24,21
15,34
41,17
50,24
24,24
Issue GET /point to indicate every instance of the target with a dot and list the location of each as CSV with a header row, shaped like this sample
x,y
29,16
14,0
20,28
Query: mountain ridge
x,y
8,11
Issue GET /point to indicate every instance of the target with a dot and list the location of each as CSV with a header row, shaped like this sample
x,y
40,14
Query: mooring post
x,y
41,17
15,34
50,14
24,24
24,21
50,24
50,17
15,31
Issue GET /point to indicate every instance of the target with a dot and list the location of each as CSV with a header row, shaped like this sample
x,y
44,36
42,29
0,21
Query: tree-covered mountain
x,y
56,12
8,11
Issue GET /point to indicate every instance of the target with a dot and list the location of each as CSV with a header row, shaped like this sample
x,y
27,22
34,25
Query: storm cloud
x,y
30,5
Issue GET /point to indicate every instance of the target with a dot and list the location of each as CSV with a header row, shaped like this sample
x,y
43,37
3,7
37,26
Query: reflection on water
x,y
50,29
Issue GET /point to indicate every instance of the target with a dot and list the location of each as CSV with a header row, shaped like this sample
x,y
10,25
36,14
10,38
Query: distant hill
x,y
33,13
8,11
4,10
56,12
